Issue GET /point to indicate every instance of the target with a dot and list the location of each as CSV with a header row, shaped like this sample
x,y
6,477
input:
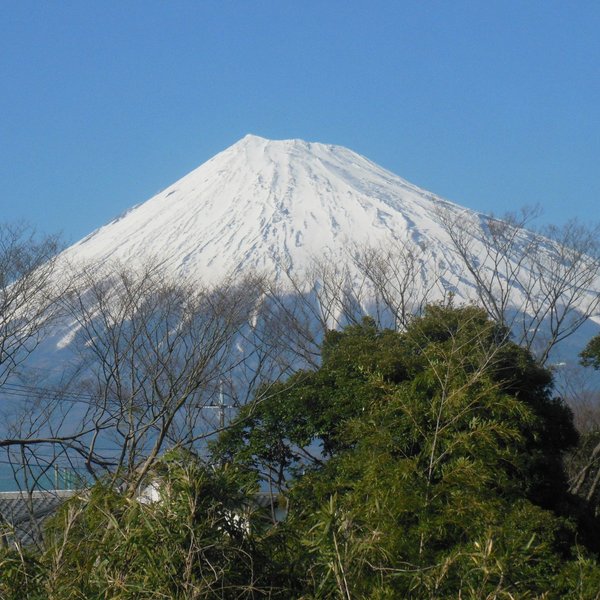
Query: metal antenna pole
x,y
221,407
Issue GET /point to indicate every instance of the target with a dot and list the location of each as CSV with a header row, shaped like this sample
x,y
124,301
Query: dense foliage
x,y
590,356
583,463
192,543
422,464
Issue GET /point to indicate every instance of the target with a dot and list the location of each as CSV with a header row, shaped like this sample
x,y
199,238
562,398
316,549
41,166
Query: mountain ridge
x,y
298,212
269,206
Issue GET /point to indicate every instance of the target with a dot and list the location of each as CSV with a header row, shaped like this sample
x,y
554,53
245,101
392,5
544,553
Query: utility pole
x,y
221,407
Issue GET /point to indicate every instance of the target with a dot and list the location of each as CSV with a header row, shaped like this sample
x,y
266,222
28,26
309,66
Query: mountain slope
x,y
274,207
269,206
385,247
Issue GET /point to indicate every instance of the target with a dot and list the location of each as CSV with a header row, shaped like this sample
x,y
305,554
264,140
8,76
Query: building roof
x,y
22,513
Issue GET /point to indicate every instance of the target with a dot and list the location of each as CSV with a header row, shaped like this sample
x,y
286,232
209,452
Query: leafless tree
x,y
403,277
27,291
339,293
297,310
156,353
542,285
565,288
158,360
295,313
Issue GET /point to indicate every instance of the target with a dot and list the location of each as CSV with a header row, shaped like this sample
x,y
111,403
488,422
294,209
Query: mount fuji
x,y
271,206
277,208
331,237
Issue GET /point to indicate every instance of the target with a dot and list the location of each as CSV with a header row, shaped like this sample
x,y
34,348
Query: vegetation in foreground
x,y
422,464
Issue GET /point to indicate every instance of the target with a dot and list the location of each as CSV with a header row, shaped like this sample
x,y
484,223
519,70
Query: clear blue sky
x,y
491,104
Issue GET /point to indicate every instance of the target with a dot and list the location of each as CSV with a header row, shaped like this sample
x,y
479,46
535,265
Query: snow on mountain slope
x,y
272,207
269,206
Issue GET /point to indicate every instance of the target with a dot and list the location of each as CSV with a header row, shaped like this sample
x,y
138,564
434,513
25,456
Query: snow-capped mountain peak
x,y
269,206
